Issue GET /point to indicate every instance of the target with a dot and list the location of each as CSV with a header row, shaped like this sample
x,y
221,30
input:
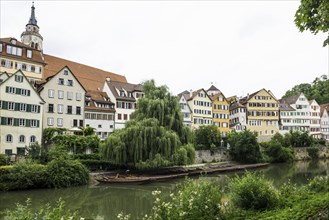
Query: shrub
x,y
313,152
244,147
193,200
278,153
3,159
25,212
206,136
319,184
96,164
253,192
33,151
65,173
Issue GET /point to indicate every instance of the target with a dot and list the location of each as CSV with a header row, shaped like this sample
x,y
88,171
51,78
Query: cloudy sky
x,y
239,46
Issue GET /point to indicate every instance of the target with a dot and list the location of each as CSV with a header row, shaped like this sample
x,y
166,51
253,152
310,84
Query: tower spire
x,y
33,20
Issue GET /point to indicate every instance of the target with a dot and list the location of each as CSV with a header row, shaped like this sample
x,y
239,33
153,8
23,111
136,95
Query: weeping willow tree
x,y
155,137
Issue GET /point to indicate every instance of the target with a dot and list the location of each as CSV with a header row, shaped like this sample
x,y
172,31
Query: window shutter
x,y
73,110
17,105
7,89
28,92
28,123
28,108
3,121
15,121
18,91
4,105
38,123
38,109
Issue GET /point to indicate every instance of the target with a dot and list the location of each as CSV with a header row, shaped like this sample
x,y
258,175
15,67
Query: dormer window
x,y
129,94
122,93
13,41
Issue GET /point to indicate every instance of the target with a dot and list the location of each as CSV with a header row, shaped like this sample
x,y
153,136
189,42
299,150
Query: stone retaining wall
x,y
205,156
301,153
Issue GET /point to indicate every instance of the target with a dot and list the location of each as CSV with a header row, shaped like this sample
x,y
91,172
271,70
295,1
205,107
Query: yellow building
x,y
262,113
220,113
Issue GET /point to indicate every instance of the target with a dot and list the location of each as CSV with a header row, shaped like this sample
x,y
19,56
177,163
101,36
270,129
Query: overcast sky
x,y
240,46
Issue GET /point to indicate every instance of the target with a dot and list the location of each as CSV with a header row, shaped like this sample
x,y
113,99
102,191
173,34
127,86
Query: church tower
x,y
31,35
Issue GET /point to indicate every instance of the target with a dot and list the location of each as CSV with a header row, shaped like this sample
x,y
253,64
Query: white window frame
x,y
69,95
60,122
33,123
33,139
50,121
51,93
9,138
22,107
60,109
21,139
11,106
21,122
78,96
60,94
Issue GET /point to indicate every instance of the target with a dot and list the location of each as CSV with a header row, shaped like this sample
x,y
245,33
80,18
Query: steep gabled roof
x,y
116,86
245,99
213,88
286,107
99,97
196,92
216,96
91,78
291,99
324,107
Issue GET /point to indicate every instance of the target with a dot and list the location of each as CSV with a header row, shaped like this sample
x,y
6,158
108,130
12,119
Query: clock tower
x,y
31,35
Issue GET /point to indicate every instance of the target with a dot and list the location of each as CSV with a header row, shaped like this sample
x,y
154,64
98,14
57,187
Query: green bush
x,y
25,212
86,156
93,165
253,192
3,159
313,152
319,184
244,147
4,170
192,200
278,153
23,175
65,173
206,136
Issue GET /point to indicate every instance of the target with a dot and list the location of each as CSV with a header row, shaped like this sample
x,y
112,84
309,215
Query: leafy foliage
x,y
244,147
25,212
318,90
154,137
313,152
3,159
33,151
207,136
192,200
313,15
252,191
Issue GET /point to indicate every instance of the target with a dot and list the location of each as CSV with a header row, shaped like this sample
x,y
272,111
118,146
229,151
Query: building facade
x,y
65,100
238,117
294,114
99,113
21,115
315,127
325,121
201,108
221,113
185,108
125,96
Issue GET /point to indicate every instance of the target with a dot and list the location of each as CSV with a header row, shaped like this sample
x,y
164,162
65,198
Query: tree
x,y
244,147
155,136
207,136
313,15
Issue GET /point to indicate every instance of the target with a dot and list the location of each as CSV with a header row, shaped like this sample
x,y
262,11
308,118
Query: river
x,y
106,201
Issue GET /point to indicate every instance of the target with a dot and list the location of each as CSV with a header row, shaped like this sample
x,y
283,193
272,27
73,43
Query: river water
x,y
106,201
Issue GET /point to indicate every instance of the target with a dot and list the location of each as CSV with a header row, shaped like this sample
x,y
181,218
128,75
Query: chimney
x,y
191,93
108,79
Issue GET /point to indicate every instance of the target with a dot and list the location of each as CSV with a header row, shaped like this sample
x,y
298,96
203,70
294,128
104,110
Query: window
x,y
11,105
59,122
125,117
69,109
19,66
9,138
22,107
75,123
60,94
29,53
34,108
99,126
9,121
70,82
33,123
51,108
60,108
60,81
50,121
8,152
25,92
20,151
11,90
78,110
37,69
81,123
51,93
33,139
66,72
21,122
78,96
18,78
21,139
119,116
69,95
28,67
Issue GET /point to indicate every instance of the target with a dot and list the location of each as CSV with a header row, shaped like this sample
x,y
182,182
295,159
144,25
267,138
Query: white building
x,y
125,96
99,113
185,108
201,108
21,114
325,121
65,100
315,129
294,114
238,117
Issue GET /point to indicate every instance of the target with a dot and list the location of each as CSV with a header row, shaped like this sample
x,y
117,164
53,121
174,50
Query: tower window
x,y
32,44
29,53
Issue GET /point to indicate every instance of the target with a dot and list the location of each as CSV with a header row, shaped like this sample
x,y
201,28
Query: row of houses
x,y
41,91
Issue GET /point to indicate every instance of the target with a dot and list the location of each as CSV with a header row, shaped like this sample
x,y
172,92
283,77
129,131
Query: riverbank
x,y
168,173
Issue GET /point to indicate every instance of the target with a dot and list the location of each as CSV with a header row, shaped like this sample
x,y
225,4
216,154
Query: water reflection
x,y
106,201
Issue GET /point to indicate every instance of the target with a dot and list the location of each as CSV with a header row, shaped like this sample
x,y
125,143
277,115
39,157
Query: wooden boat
x,y
167,177
123,180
